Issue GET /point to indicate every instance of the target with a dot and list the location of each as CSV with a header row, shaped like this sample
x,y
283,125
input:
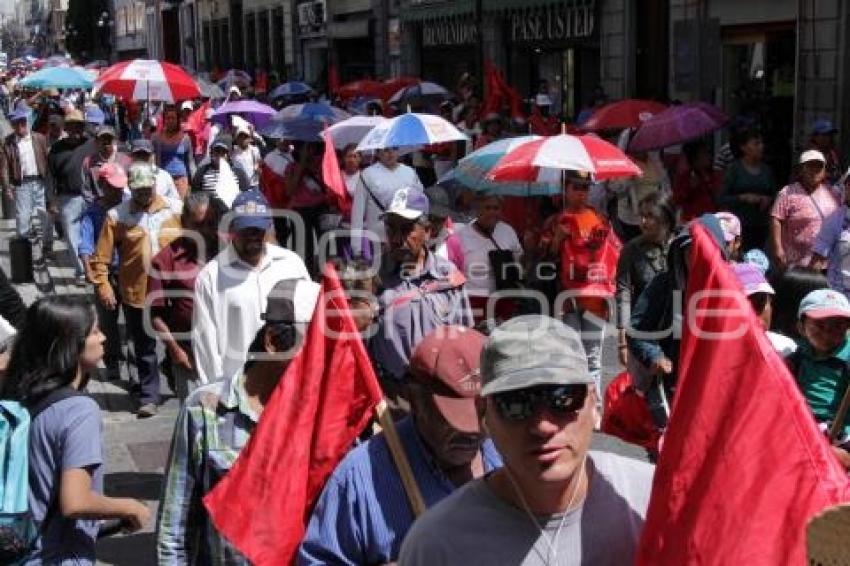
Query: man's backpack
x,y
18,530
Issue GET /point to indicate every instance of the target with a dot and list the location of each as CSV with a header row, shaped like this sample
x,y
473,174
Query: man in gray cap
x,y
553,502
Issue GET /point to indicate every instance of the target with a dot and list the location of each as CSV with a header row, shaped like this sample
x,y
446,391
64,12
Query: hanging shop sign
x,y
555,24
448,32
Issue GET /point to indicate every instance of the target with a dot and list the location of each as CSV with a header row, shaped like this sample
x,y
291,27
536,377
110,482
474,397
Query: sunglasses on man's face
x,y
559,400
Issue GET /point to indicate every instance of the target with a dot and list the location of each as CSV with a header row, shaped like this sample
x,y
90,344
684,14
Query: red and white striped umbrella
x,y
145,79
566,152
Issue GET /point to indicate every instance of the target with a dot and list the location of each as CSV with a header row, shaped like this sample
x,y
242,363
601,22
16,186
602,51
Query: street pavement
x,y
136,450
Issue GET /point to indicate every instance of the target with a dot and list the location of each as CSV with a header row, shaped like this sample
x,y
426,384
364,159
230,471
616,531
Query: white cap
x,y
187,105
543,100
240,125
812,155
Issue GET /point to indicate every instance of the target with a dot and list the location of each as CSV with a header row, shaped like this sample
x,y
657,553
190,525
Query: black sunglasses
x,y
560,400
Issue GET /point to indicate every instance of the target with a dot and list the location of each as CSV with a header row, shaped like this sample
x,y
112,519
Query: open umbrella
x,y
300,129
678,124
366,88
472,171
410,131
392,86
235,77
145,79
353,129
57,77
292,88
419,91
529,161
209,89
255,112
317,111
57,61
631,113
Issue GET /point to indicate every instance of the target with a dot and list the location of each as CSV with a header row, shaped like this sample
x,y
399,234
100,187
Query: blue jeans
x,y
144,346
591,328
71,210
29,198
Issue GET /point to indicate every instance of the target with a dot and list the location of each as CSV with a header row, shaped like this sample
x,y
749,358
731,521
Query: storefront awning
x,y
506,5
422,10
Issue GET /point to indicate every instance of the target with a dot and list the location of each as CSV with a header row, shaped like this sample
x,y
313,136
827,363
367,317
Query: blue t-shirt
x,y
65,436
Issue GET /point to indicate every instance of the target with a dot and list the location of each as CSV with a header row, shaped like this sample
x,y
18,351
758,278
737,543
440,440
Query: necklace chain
x,y
552,542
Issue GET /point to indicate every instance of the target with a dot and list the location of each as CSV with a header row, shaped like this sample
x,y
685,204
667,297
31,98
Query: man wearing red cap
x,y
111,181
363,514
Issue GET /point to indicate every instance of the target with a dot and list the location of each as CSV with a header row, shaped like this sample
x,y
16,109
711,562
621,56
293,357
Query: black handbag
x,y
506,270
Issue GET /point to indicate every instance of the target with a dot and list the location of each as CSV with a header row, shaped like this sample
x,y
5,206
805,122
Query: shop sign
x,y
568,22
443,33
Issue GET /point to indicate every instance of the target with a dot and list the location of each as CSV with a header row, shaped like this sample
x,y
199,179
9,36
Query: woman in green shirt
x,y
749,189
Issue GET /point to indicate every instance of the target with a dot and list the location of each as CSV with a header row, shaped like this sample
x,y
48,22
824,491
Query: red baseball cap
x,y
113,174
447,364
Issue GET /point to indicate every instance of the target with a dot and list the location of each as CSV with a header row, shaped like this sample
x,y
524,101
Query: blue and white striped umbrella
x,y
472,170
292,88
411,131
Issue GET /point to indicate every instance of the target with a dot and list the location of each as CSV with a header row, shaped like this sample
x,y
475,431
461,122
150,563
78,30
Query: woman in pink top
x,y
799,211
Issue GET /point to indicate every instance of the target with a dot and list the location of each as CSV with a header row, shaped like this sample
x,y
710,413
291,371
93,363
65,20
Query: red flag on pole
x,y
323,401
332,176
743,466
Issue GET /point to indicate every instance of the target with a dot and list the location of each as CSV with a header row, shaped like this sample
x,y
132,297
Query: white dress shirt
x,y
26,151
383,183
230,297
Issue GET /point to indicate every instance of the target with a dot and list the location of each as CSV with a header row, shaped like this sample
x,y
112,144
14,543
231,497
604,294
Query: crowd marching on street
x,y
385,322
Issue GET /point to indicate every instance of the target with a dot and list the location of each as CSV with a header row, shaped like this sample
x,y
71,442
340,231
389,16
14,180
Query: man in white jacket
x,y
380,181
231,291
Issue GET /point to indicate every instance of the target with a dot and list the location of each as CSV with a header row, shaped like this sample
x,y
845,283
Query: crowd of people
x,y
484,316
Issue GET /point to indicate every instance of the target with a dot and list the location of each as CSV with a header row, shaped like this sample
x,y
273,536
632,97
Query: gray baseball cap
x,y
532,350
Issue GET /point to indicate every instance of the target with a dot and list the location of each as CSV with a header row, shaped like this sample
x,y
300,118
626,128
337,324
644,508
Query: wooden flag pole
x,y
838,423
411,488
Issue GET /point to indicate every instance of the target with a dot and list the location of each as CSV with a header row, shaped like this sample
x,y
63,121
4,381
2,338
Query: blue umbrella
x,y
316,111
292,88
57,77
302,129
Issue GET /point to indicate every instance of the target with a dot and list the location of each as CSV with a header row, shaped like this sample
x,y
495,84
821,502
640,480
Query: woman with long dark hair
x,y
58,344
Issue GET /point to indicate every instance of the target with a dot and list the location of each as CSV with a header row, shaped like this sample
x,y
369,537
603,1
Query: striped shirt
x,y
211,430
363,513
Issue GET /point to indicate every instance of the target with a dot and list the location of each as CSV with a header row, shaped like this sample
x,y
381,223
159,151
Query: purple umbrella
x,y
255,112
678,124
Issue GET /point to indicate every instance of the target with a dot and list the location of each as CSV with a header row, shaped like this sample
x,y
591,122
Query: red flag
x,y
261,83
743,466
333,79
332,177
323,401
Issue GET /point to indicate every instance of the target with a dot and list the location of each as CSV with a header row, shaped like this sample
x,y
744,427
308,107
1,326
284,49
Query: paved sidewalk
x,y
136,450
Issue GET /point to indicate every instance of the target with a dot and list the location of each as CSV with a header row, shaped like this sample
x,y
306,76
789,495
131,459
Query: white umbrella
x,y
353,129
410,131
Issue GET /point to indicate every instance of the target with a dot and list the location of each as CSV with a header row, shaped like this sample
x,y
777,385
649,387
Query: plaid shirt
x,y
212,429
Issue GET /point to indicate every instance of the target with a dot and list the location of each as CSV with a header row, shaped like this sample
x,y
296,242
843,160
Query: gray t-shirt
x,y
65,436
474,526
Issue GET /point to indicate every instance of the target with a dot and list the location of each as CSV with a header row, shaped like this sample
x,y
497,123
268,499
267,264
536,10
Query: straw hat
x,y
827,536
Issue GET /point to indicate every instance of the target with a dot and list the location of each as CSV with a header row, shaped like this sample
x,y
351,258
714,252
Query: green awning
x,y
422,10
505,5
